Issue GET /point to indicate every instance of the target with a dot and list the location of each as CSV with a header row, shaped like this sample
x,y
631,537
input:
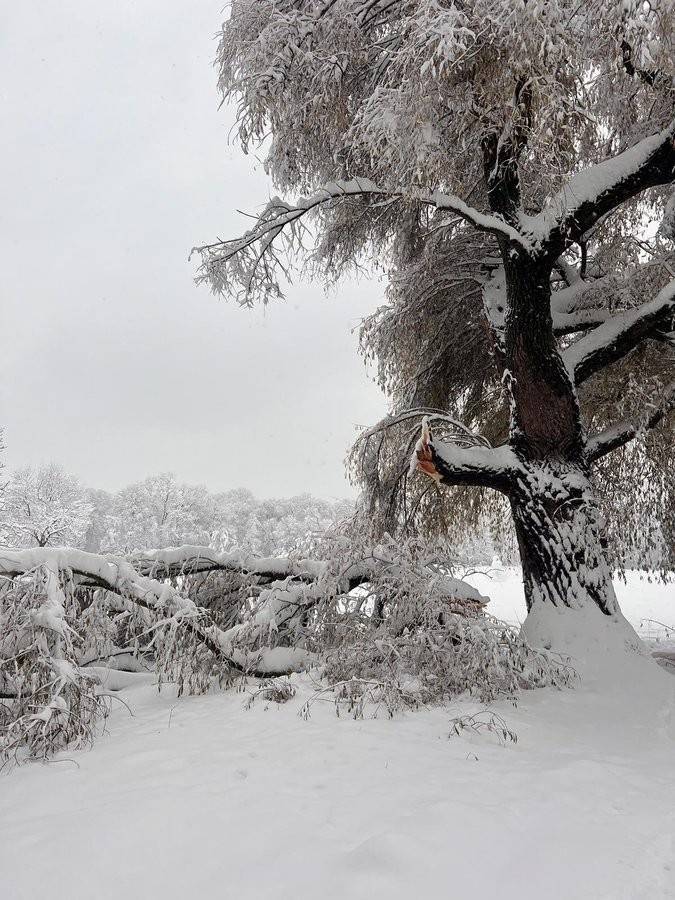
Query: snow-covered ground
x,y
200,797
648,604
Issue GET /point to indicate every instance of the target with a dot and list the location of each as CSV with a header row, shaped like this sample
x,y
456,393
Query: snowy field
x,y
200,797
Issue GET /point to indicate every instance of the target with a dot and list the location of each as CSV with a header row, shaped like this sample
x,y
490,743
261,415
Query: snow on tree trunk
x,y
560,535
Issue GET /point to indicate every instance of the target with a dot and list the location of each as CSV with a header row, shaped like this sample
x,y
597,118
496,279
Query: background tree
x,y
507,152
45,506
288,524
161,512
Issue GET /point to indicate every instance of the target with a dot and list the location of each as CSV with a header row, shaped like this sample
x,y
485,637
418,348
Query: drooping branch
x,y
450,464
617,336
623,432
598,190
251,260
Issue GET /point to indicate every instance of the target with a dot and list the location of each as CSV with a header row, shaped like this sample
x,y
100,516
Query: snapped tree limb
x,y
280,607
191,559
451,464
117,575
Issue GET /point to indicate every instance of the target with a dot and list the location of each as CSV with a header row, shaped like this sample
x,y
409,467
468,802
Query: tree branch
x,y
191,559
250,259
596,191
284,602
492,224
623,432
580,320
617,336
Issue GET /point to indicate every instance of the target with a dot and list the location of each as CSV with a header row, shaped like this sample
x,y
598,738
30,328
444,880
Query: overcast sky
x,y
115,161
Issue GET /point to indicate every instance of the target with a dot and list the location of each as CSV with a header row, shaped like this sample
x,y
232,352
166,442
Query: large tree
x,y
525,146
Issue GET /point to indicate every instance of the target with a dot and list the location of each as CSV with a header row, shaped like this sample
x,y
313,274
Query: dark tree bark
x,y
546,419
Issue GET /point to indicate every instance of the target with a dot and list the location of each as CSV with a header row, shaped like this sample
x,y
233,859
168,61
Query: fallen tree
x,y
392,615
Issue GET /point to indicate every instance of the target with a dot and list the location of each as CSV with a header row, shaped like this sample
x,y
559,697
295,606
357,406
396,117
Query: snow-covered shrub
x,y
484,721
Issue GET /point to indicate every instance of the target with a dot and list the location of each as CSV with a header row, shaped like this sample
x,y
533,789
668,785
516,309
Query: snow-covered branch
x,y
190,559
490,223
265,643
252,260
617,336
623,432
451,464
582,304
580,320
599,189
117,575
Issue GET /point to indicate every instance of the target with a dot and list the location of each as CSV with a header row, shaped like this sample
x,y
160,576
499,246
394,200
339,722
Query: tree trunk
x,y
560,538
558,524
560,533
545,414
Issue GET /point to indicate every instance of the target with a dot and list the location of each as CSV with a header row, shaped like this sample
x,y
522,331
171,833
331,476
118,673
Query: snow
x,y
485,222
356,186
491,459
645,601
51,614
190,556
200,796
